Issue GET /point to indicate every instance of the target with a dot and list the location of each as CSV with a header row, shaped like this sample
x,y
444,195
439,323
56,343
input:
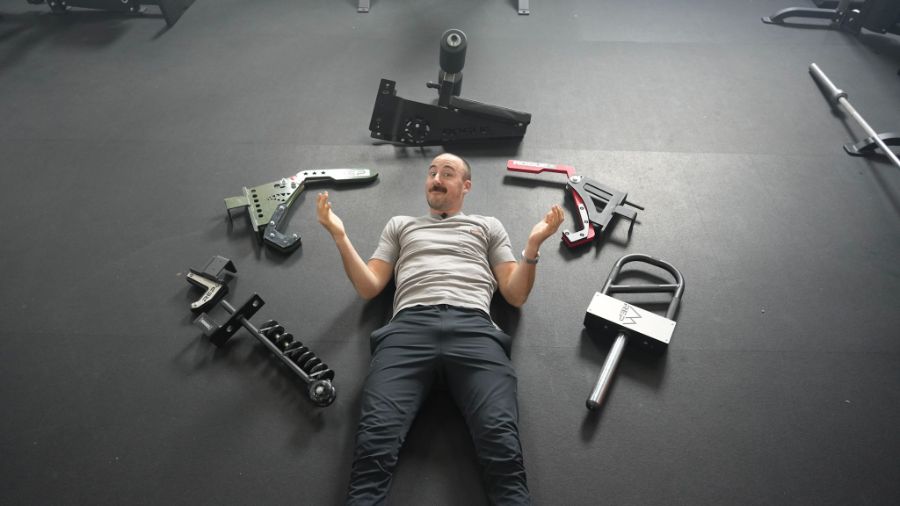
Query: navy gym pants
x,y
464,348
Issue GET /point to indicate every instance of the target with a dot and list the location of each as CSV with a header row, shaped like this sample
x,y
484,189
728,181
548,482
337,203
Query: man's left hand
x,y
546,227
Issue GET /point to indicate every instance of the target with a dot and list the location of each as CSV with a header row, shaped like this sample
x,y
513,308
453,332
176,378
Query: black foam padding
x,y
452,58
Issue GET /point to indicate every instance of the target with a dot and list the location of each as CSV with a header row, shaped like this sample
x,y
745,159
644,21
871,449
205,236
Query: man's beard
x,y
433,201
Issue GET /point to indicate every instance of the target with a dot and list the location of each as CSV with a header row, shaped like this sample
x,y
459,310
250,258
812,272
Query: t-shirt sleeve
x,y
499,246
388,249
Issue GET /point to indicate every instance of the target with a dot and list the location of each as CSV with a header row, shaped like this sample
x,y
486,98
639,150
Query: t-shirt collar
x,y
443,216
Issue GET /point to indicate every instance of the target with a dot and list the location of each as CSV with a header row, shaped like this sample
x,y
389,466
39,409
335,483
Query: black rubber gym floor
x,y
119,140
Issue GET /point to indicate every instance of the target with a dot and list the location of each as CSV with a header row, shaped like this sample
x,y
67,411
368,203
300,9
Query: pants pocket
x,y
377,336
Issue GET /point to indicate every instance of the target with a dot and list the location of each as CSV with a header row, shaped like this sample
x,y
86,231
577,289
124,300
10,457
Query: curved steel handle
x,y
677,288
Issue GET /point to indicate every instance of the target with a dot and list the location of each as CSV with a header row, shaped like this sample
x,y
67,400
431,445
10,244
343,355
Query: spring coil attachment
x,y
213,280
321,391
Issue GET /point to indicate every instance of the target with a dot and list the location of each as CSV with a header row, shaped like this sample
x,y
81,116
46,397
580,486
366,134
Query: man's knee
x,y
499,438
374,437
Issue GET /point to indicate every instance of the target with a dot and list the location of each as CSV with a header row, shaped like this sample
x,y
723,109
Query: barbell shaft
x,y
840,96
834,93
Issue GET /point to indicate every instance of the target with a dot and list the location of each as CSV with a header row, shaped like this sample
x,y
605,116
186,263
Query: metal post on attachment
x,y
606,374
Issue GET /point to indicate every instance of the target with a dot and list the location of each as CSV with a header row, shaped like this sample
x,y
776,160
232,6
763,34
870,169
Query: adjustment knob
x,y
416,131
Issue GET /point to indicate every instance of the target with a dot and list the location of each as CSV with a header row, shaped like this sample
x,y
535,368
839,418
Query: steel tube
x,y
606,374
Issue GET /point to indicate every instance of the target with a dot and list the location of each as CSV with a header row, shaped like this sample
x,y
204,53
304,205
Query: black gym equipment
x,y
597,203
607,315
831,4
453,119
523,9
171,9
841,14
874,140
880,16
270,202
299,359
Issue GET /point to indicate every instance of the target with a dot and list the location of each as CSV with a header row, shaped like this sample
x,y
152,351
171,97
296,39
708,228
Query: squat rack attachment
x,y
523,9
589,195
213,279
868,145
170,9
608,315
453,119
268,203
842,15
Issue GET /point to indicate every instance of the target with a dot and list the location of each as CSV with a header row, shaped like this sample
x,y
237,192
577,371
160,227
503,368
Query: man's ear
x,y
467,186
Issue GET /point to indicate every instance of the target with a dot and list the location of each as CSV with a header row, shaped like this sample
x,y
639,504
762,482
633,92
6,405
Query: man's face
x,y
446,184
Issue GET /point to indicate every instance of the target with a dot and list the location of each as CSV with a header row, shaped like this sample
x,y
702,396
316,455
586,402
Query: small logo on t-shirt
x,y
477,231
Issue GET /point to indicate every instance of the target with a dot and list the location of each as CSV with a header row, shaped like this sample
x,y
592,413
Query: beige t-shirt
x,y
444,261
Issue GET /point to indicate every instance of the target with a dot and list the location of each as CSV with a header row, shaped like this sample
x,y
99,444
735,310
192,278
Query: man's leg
x,y
482,381
400,376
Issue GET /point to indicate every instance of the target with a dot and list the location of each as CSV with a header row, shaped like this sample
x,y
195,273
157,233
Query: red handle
x,y
535,167
586,233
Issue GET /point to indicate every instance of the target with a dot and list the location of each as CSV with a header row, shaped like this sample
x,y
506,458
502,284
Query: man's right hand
x,y
368,279
327,218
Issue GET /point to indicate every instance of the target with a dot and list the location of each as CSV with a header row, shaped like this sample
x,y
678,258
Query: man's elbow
x,y
516,300
367,294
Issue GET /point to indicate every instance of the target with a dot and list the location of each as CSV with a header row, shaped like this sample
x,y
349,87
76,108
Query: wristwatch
x,y
531,261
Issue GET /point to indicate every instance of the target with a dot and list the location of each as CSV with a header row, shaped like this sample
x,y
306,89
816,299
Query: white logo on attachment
x,y
534,164
627,315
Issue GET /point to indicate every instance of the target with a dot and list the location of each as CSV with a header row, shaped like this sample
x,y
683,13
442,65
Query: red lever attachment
x,y
586,233
536,168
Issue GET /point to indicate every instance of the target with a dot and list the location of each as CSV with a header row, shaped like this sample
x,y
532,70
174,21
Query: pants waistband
x,y
442,307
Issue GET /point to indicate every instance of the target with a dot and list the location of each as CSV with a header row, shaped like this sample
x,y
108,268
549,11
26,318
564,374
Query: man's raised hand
x,y
327,218
547,226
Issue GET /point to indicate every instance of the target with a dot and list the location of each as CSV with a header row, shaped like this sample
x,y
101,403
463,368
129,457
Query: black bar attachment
x,y
171,9
452,119
297,357
268,203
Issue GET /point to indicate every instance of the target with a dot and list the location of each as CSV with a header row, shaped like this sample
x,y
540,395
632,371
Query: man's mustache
x,y
438,189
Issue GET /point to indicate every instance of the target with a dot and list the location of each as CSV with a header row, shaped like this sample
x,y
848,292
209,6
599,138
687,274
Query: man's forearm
x,y
358,272
518,280
521,280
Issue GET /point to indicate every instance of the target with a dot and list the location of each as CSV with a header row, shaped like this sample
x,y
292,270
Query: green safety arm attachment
x,y
267,204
